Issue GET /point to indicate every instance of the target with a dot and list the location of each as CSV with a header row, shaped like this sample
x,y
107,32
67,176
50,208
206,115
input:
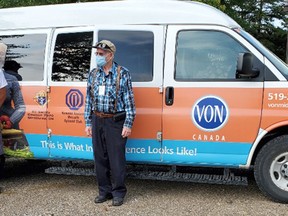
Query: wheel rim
x,y
279,171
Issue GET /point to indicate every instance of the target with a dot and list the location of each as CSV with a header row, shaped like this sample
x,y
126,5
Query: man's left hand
x,y
126,132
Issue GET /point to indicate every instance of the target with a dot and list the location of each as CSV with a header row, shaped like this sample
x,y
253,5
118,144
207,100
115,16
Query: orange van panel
x,y
243,123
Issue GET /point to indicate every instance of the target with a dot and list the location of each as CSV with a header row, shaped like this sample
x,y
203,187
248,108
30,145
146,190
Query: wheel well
x,y
269,136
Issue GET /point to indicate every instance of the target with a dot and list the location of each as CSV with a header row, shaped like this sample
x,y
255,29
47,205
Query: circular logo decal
x,y
74,99
210,113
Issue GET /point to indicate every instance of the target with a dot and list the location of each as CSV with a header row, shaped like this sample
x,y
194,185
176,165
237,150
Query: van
x,y
207,93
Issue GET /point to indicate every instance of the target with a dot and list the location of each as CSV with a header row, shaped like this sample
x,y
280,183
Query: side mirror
x,y
245,66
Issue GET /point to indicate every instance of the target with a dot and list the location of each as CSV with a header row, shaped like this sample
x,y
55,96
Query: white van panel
x,y
114,12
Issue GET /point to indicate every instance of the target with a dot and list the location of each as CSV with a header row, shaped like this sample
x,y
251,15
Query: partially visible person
x,y
12,67
12,112
3,84
109,116
3,50
13,106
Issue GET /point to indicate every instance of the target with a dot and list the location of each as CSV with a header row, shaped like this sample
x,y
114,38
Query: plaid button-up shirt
x,y
106,102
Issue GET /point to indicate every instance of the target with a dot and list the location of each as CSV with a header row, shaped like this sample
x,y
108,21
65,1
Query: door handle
x,y
169,96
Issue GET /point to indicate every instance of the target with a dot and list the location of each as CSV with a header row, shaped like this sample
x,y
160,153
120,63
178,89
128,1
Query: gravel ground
x,y
29,191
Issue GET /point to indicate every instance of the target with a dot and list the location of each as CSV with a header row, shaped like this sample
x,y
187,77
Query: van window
x,y
134,51
202,55
29,51
72,56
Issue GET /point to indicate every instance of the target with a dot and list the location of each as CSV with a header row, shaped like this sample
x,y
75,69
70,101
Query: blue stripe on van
x,y
139,150
206,153
60,147
35,142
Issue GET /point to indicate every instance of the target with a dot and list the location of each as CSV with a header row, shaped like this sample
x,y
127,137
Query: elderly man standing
x,y
109,116
3,84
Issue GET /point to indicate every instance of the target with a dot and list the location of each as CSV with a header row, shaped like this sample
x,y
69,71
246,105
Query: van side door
x,y
210,117
70,60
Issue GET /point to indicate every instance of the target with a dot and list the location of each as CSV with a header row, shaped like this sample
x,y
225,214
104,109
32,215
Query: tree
x,y
258,17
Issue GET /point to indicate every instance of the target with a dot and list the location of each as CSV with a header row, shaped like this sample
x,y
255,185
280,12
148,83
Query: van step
x,y
191,177
227,178
70,171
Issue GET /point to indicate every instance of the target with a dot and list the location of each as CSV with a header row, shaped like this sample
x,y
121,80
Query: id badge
x,y
101,90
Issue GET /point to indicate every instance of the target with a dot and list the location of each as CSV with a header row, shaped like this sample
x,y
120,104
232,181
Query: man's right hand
x,y
88,131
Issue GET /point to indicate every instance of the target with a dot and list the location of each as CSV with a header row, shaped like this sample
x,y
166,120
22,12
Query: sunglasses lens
x,y
103,46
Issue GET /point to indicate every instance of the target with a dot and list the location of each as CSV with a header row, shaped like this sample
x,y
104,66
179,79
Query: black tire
x,y
271,169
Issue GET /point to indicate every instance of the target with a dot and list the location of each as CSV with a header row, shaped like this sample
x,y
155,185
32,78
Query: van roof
x,y
113,12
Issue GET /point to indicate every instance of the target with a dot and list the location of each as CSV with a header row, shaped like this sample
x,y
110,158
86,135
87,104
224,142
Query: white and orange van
x,y
207,93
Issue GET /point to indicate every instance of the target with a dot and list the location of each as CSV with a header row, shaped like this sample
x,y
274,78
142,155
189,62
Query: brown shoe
x,y
101,199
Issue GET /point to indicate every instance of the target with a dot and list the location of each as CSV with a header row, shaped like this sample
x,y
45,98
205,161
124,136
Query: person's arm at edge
x,y
3,84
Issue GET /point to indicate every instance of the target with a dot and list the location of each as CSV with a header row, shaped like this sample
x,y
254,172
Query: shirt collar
x,y
112,70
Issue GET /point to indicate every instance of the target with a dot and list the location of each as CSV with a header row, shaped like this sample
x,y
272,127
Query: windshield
x,y
277,62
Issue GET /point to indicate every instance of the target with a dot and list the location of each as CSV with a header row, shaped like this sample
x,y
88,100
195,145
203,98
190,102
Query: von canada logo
x,y
74,99
210,113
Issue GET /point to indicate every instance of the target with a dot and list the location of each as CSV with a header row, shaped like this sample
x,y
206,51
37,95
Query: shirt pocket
x,y
96,87
111,93
111,90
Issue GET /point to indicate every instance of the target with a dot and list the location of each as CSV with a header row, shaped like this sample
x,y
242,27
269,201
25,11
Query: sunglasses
x,y
103,46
